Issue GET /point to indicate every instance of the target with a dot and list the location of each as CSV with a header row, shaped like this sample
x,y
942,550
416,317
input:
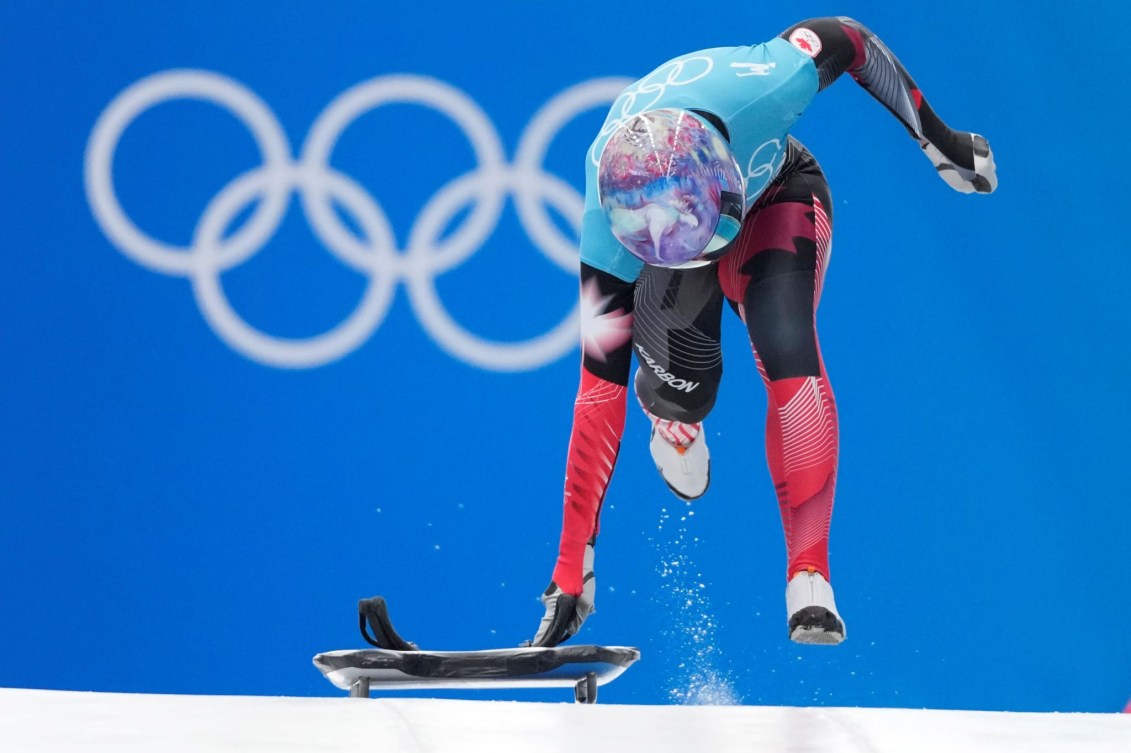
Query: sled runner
x,y
398,664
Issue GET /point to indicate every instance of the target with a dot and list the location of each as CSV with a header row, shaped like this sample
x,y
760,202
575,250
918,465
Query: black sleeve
x,y
606,324
848,46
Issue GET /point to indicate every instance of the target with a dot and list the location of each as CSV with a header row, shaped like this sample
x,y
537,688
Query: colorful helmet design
x,y
670,188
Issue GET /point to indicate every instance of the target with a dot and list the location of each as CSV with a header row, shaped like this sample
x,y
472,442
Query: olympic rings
x,y
632,102
429,251
759,174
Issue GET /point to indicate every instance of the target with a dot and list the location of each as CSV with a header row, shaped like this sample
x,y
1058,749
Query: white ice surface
x,y
38,721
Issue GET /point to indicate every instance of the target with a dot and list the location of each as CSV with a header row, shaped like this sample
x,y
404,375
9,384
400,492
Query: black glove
x,y
564,612
982,179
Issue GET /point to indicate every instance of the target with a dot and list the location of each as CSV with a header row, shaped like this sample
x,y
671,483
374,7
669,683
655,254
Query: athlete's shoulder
x,y
772,51
757,67
778,52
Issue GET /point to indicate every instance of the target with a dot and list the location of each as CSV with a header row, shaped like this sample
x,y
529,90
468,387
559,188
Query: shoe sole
x,y
815,637
816,626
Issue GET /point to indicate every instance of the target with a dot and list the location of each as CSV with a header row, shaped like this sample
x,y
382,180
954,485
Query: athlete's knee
x,y
786,345
787,350
674,398
780,320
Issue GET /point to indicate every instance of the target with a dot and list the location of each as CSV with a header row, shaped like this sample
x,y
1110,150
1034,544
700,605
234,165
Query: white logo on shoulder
x,y
753,69
806,41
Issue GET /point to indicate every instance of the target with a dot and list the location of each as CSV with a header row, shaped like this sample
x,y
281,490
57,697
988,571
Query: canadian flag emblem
x,y
806,41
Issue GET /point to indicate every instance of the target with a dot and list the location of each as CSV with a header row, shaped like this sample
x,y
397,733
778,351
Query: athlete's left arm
x,y
838,45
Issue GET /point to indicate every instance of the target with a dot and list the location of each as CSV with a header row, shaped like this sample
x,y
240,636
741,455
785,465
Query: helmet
x,y
670,188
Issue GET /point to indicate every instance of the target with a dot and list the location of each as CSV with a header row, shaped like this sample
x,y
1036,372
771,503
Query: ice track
x,y
37,721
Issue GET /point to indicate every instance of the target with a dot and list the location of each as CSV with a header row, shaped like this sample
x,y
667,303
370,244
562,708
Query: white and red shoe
x,y
812,611
681,455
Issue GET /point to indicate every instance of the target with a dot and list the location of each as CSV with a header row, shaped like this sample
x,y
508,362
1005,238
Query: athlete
x,y
696,193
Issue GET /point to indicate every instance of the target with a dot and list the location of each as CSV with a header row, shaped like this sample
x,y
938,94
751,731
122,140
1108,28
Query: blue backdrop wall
x,y
261,356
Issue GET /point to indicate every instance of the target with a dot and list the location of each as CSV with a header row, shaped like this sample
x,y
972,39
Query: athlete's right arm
x,y
598,415
598,424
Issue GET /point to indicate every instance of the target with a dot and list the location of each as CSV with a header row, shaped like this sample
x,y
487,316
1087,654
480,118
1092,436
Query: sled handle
x,y
374,614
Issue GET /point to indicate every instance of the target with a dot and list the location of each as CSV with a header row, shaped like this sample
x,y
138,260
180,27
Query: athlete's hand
x,y
982,179
564,612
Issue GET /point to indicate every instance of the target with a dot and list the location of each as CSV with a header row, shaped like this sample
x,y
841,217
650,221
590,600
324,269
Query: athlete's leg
x,y
676,339
773,278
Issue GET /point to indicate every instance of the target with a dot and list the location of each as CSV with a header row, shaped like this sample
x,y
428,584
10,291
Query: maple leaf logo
x,y
602,331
